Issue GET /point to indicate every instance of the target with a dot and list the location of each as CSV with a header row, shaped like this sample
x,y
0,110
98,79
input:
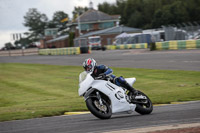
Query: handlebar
x,y
102,78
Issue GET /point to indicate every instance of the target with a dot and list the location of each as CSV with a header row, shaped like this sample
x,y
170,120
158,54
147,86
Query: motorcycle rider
x,y
103,71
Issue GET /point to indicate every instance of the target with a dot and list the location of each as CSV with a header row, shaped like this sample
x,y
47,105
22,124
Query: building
x,y
93,20
107,35
52,40
59,42
91,23
97,23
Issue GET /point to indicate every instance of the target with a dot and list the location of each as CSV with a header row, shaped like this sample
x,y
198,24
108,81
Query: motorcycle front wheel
x,y
102,111
144,106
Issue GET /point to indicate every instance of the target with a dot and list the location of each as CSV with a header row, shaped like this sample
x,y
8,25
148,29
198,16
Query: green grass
x,y
33,90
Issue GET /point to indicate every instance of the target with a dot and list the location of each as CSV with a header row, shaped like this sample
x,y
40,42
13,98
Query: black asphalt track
x,y
162,115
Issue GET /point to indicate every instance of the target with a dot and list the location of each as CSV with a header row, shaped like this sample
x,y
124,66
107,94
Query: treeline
x,y
37,22
147,14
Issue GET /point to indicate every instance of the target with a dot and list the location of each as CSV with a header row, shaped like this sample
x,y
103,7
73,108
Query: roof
x,y
113,30
58,38
95,15
124,35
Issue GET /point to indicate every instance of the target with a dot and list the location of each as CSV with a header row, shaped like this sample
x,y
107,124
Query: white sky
x,y
13,11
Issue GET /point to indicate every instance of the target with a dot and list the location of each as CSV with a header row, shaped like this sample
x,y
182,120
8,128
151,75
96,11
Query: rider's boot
x,y
131,89
122,82
132,92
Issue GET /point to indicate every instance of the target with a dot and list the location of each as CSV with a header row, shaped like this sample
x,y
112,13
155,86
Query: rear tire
x,y
145,108
106,114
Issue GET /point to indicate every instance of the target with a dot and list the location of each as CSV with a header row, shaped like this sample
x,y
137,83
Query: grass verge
x,y
33,90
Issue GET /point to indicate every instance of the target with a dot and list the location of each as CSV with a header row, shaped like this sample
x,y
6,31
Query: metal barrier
x,y
127,46
183,44
60,51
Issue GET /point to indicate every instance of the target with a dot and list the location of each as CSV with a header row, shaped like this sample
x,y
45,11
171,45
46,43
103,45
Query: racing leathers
x,y
105,71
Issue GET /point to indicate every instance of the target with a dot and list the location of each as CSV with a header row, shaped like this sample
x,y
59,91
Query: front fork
x,y
99,98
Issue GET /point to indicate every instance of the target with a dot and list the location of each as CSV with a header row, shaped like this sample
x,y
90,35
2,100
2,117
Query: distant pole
x,y
79,25
23,50
9,50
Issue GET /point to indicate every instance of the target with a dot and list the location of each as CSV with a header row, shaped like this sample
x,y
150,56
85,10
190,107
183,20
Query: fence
x,y
21,52
184,31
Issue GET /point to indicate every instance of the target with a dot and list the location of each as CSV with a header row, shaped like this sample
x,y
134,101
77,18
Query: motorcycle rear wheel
x,y
144,108
92,105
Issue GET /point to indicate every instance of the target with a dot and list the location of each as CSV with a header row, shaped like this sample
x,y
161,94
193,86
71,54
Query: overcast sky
x,y
13,11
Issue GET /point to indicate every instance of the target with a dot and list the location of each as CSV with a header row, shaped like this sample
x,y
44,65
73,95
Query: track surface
x,y
140,58
162,115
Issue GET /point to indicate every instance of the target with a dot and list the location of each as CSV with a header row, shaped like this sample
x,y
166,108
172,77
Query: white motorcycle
x,y
104,98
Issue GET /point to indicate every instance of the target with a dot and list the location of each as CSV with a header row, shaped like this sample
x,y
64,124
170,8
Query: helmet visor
x,y
88,68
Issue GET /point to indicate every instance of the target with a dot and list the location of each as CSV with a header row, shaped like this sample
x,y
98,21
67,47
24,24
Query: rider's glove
x,y
102,75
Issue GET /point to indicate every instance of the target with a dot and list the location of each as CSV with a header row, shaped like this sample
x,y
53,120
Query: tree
x,y
193,9
170,14
58,16
23,42
9,45
56,20
132,21
78,10
153,13
71,38
106,7
111,9
36,23
121,4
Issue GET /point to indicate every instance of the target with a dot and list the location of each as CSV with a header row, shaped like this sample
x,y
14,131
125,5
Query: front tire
x,y
144,108
102,112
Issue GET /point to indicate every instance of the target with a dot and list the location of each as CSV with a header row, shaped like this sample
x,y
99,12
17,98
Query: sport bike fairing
x,y
115,93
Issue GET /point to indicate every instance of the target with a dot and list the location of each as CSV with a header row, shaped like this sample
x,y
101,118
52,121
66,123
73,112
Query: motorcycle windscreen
x,y
85,84
82,76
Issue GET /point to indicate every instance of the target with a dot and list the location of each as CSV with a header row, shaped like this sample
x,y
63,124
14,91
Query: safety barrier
x,y
127,46
111,47
19,52
60,51
183,44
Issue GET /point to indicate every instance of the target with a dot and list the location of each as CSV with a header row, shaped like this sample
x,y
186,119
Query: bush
x,y
71,38
152,46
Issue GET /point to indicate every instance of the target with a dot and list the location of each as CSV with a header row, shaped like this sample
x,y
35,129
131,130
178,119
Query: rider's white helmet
x,y
89,65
